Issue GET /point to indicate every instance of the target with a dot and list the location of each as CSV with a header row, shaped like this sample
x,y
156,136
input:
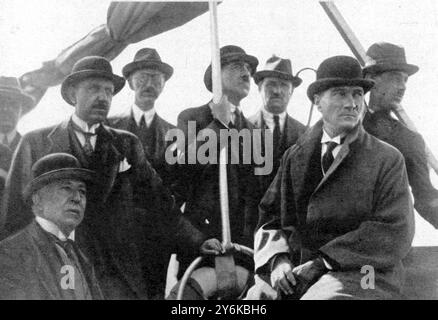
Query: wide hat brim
x,y
80,174
327,83
227,59
260,75
27,101
119,82
130,68
377,68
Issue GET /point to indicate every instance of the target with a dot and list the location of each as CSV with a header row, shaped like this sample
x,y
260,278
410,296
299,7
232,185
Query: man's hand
x,y
212,247
282,277
308,273
222,110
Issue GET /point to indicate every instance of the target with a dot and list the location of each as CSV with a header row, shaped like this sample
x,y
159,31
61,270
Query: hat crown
x,y
53,162
231,49
341,67
386,52
94,63
147,54
278,64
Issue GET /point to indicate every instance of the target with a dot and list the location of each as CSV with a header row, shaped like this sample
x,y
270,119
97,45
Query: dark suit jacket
x,y
119,204
155,152
31,268
293,129
360,213
412,147
199,185
14,144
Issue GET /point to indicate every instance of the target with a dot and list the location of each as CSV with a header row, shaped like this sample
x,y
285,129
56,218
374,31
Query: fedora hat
x,y
230,54
54,167
10,87
278,68
147,59
384,56
338,71
90,67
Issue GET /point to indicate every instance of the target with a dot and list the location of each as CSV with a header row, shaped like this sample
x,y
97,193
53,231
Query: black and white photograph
x,y
240,151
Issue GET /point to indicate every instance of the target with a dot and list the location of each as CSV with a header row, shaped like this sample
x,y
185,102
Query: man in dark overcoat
x,y
199,183
42,261
388,68
338,218
276,84
128,192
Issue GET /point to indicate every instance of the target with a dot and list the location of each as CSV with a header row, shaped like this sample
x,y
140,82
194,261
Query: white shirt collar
x,y
270,116
233,108
326,138
138,113
83,125
52,228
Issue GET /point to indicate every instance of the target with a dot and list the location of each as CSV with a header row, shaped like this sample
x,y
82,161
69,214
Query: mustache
x,y
150,90
101,105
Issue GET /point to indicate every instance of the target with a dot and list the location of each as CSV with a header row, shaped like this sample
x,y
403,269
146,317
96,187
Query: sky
x,y
36,31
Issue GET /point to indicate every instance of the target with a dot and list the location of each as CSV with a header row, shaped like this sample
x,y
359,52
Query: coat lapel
x,y
343,153
123,120
49,262
59,138
110,158
305,148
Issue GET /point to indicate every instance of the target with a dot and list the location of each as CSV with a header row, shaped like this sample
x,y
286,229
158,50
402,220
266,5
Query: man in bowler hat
x,y
276,84
127,191
339,202
42,261
388,68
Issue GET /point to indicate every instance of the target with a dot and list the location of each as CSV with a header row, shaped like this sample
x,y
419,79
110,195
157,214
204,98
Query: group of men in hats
x,y
337,199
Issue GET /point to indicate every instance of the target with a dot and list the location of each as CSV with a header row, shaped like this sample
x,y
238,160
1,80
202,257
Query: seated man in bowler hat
x,y
388,68
339,203
127,195
276,84
42,261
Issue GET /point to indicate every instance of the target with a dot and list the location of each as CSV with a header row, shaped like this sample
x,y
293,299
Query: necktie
x,y
328,158
236,123
87,147
81,289
277,136
143,125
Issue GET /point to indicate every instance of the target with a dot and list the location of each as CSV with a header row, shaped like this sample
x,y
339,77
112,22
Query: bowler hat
x,y
384,56
54,167
230,54
91,67
147,59
10,87
338,71
278,68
